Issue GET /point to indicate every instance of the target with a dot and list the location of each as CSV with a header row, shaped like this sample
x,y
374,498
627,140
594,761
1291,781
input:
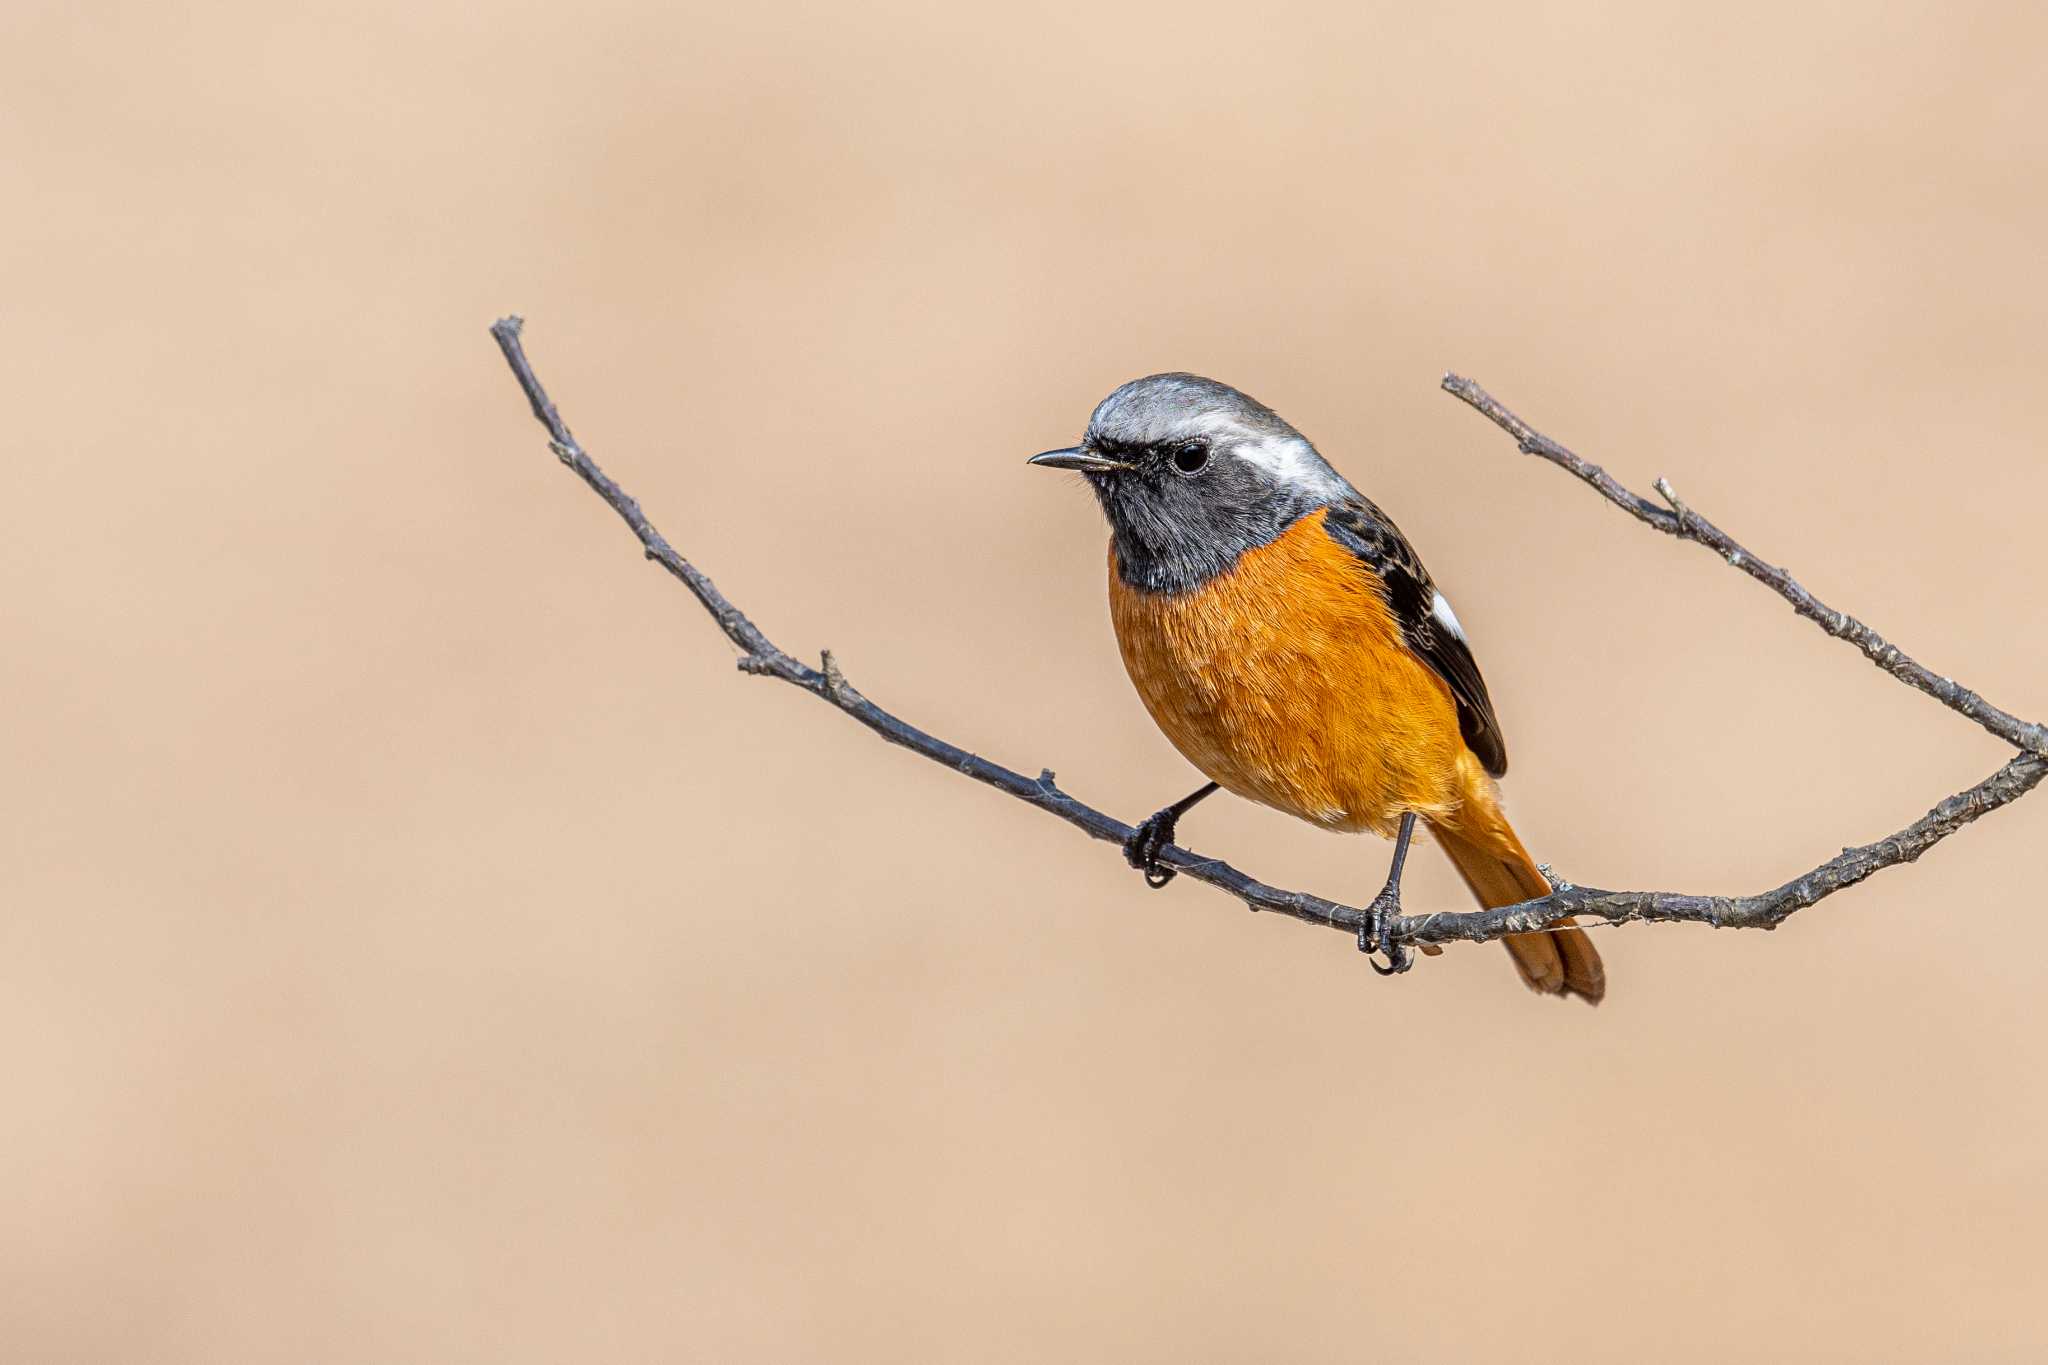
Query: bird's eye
x,y
1191,457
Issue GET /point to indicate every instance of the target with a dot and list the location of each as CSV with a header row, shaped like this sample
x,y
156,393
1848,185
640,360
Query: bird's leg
x,y
1377,933
1141,850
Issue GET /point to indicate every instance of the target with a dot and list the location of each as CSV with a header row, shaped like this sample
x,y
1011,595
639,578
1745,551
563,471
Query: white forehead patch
x,y
1440,608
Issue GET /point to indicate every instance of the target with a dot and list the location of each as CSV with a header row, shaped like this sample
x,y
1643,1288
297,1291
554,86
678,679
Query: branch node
x,y
1678,508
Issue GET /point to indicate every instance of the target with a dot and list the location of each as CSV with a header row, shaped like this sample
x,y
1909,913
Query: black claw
x,y
1401,963
1377,935
1141,850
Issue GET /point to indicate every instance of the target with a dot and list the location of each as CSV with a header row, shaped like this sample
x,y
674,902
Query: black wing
x,y
1364,530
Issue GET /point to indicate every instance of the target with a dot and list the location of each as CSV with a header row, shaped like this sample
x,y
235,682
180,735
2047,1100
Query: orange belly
x,y
1286,681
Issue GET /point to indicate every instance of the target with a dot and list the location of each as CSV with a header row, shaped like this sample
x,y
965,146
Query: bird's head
x,y
1191,474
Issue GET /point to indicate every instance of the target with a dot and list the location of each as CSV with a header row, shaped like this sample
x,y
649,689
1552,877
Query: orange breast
x,y
1286,680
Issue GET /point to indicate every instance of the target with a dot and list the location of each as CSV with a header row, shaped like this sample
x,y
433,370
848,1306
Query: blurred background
x,y
420,943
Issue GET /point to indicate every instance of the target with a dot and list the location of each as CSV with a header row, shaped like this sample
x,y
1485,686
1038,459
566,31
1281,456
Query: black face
x,y
1191,474
1181,514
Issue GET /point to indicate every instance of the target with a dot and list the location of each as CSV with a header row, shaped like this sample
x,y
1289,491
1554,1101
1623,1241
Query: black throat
x,y
1166,544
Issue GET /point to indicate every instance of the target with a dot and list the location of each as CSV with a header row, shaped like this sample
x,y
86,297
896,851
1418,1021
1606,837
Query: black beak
x,y
1077,458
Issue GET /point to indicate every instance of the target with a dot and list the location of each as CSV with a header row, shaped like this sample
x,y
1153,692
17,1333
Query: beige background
x,y
420,944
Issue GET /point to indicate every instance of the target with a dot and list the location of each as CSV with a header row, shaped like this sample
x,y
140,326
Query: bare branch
x,y
1681,521
760,655
1765,911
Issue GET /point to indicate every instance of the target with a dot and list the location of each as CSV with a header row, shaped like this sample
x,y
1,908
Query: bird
x,y
1286,638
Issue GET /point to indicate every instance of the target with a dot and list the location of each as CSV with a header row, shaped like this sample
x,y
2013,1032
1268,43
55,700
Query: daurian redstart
x,y
1285,636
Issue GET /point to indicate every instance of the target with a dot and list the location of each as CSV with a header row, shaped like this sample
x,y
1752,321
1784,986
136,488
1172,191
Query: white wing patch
x,y
1440,608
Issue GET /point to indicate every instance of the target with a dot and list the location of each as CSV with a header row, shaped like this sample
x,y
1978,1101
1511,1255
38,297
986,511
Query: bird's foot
x,y
1142,849
1376,935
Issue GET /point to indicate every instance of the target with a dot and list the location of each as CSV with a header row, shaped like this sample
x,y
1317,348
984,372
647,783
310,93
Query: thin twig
x,y
759,655
1684,523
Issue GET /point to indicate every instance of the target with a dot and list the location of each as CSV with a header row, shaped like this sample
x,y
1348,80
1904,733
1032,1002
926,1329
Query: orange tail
x,y
1500,872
